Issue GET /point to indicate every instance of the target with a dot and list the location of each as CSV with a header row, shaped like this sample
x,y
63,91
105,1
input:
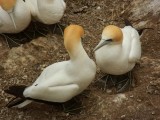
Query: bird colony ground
x,y
23,64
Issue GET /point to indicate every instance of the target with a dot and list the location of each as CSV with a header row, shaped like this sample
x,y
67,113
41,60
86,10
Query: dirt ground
x,y
23,64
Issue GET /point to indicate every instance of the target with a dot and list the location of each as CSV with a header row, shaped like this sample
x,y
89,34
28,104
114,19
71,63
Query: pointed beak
x,y
105,42
12,18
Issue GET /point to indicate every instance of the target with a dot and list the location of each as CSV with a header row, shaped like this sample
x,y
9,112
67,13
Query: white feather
x,y
47,11
21,16
62,81
117,59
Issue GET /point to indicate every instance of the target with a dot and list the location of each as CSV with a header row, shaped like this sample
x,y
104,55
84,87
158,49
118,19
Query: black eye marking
x,y
109,40
35,84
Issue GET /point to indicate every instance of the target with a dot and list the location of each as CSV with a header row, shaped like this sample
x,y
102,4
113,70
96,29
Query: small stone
x,y
98,8
25,77
20,116
153,112
104,115
82,9
123,116
42,67
131,96
109,91
93,4
67,114
139,100
104,20
6,100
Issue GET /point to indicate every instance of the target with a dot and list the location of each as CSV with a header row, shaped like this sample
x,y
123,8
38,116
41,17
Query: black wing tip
x,y
16,90
127,22
140,31
14,102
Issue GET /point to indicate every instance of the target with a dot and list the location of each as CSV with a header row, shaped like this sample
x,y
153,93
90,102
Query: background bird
x,y
117,53
60,81
46,11
14,16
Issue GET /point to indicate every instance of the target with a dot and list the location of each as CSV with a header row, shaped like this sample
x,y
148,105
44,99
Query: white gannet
x,y
118,51
60,81
14,16
47,11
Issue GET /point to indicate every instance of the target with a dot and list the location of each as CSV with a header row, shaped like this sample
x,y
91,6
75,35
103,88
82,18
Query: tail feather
x,y
16,90
127,23
41,101
140,31
15,101
20,100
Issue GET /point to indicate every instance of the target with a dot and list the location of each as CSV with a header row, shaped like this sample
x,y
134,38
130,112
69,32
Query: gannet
x,y
46,11
14,16
60,81
118,50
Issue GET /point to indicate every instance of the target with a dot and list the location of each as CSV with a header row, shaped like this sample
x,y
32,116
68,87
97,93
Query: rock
x,y
93,4
98,8
153,63
6,100
123,116
119,98
139,11
154,88
25,77
80,10
131,96
28,54
139,100
153,112
109,91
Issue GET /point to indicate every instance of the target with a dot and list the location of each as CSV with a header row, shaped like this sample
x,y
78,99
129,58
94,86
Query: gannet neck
x,y
78,53
72,42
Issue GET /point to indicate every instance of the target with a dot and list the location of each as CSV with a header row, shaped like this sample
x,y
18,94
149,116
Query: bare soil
x,y
23,64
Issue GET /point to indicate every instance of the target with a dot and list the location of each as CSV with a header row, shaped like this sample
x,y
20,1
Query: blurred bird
x,y
118,51
46,11
60,81
14,16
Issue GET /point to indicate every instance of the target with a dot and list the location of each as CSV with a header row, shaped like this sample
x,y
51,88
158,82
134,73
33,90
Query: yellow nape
x,y
72,36
7,4
113,32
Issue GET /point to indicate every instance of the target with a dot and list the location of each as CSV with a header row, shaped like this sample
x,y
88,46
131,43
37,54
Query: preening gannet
x,y
60,81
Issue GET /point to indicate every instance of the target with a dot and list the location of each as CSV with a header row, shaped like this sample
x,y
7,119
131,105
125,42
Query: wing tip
x,y
14,102
16,90
127,22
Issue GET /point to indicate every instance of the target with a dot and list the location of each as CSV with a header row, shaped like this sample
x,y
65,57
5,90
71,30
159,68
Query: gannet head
x,y
110,35
72,37
8,6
